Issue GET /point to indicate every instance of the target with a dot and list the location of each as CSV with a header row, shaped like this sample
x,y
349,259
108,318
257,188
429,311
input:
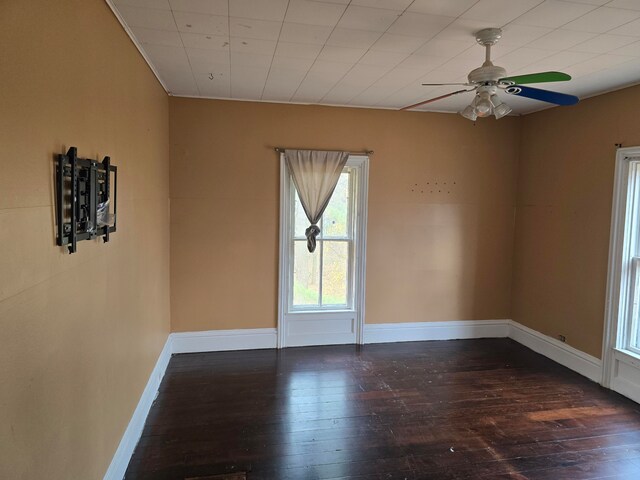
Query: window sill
x,y
317,311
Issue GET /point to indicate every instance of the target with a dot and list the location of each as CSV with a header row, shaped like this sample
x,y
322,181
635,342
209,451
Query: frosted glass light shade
x,y
499,109
469,112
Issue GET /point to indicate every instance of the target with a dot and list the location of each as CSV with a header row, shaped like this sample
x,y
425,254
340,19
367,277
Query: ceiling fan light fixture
x,y
500,109
470,113
484,108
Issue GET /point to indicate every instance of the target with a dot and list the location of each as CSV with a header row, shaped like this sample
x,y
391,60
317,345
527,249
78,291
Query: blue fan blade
x,y
543,95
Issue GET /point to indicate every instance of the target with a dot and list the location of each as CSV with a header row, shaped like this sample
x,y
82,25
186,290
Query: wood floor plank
x,y
465,409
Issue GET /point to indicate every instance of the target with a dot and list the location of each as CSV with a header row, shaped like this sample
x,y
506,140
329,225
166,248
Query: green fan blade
x,y
540,77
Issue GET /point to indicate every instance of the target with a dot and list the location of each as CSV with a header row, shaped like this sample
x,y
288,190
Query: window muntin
x,y
323,280
634,301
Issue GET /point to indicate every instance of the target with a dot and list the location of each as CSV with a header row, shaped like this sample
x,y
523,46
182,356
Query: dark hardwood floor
x,y
475,409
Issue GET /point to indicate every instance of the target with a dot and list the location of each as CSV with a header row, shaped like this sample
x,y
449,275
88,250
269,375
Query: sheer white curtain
x,y
315,175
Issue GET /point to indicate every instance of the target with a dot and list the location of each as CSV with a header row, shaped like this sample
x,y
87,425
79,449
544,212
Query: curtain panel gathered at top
x,y
315,175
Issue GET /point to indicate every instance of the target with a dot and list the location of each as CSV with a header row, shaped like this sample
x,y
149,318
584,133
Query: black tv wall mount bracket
x,y
83,199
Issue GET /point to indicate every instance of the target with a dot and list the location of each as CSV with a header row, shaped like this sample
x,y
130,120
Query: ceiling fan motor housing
x,y
487,74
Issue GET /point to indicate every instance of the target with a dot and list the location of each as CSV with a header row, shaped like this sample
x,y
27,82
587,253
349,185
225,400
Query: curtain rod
x,y
363,152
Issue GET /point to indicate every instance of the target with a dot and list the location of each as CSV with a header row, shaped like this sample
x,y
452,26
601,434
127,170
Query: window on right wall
x,y
630,332
621,349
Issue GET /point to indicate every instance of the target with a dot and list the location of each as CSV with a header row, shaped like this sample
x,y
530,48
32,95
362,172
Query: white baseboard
x,y
132,434
572,358
261,338
222,340
181,342
628,389
420,331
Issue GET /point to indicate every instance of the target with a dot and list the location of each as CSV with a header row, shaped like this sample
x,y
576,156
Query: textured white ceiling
x,y
376,53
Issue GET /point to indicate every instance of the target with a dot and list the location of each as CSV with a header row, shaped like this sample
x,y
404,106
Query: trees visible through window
x,y
324,279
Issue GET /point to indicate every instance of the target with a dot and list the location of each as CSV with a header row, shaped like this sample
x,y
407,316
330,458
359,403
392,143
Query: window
x,y
630,334
621,343
323,280
321,295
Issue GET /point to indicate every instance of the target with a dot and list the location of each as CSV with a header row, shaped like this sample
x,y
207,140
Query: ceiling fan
x,y
486,80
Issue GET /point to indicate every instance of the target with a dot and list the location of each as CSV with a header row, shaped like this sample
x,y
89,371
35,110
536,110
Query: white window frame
x,y
621,360
360,163
351,238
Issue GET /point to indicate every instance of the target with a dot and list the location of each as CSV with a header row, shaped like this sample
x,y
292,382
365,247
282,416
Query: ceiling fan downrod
x,y
488,73
487,37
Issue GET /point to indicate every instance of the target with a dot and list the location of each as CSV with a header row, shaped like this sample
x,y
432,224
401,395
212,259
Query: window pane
x,y
306,275
335,273
335,217
300,220
635,300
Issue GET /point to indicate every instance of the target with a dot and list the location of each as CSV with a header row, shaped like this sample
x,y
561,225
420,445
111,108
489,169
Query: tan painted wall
x,y
565,190
80,333
444,255
78,348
